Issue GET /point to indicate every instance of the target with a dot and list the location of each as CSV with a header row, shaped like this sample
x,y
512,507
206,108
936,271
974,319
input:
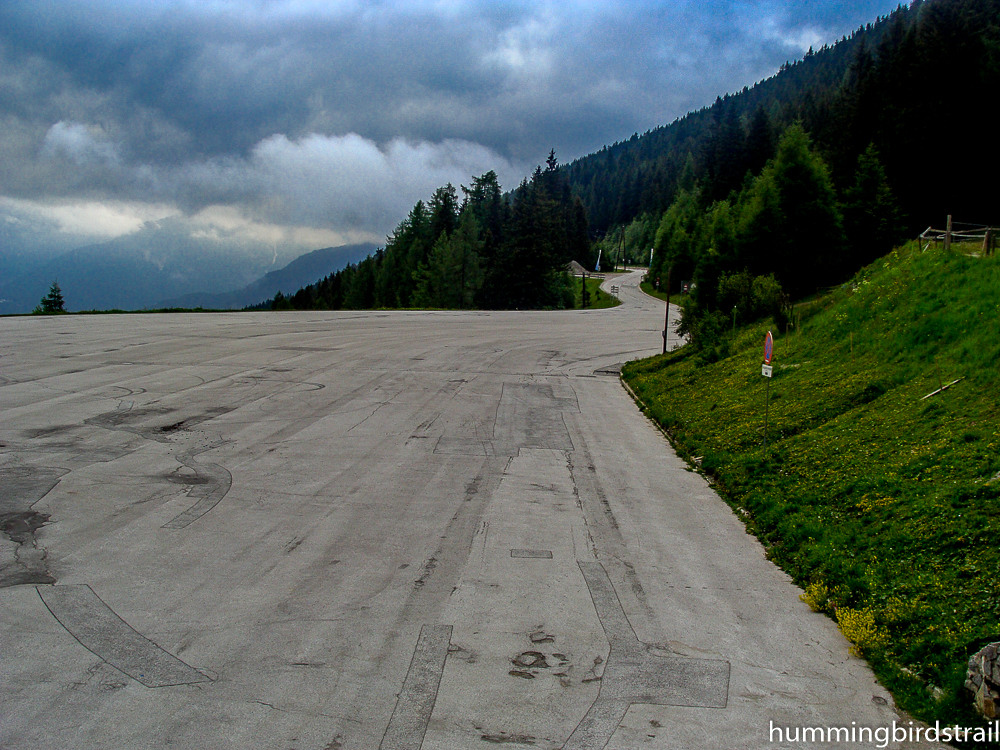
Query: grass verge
x,y
882,504
647,287
598,299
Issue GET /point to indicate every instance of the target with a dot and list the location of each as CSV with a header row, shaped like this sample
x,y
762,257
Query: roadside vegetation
x,y
595,298
882,501
649,289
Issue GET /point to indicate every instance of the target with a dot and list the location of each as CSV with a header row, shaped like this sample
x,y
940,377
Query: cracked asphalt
x,y
331,530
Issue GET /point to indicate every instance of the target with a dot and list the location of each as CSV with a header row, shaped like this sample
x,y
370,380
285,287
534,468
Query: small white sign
x,y
766,370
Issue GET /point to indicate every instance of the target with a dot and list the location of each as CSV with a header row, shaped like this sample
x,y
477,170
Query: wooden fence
x,y
982,235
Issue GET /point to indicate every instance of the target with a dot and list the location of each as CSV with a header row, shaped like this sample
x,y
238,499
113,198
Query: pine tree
x,y
872,216
792,224
725,152
468,272
280,302
486,202
444,211
430,276
760,140
453,273
52,302
360,290
674,245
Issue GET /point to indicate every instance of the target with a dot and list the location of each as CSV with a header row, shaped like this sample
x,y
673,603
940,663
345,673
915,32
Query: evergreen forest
x,y
489,249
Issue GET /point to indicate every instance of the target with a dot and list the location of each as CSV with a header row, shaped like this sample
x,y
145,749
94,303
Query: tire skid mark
x,y
102,632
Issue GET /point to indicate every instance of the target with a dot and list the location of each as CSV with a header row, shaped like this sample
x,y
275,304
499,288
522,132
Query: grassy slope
x,y
598,298
648,289
885,507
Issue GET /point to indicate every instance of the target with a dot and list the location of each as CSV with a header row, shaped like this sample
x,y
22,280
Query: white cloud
x,y
82,144
92,221
228,223
346,184
803,39
776,22
316,191
526,49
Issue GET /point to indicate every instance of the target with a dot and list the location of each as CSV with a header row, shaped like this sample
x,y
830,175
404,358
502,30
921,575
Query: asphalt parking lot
x,y
380,530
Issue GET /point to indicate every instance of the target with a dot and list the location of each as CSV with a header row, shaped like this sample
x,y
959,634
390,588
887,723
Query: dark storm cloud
x,y
279,108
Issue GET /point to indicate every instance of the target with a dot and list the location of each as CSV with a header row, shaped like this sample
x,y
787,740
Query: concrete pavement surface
x,y
395,530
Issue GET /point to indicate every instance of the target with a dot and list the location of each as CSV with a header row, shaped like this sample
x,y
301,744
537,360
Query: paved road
x,y
379,530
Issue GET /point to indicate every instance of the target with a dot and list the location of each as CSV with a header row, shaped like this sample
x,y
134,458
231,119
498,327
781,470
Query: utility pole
x,y
621,247
666,317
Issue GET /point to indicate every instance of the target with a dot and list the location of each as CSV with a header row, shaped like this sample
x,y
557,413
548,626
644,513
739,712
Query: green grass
x,y
675,297
884,506
598,298
647,287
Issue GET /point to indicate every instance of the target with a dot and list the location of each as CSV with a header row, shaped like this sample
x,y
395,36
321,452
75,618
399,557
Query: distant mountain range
x,y
163,266
304,270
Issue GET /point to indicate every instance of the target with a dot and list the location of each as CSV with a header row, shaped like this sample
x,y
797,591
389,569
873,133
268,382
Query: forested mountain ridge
x,y
916,83
792,186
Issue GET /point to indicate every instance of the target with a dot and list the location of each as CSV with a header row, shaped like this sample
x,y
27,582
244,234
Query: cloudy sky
x,y
311,123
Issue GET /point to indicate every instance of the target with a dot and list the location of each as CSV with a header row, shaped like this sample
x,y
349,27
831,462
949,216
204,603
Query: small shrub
x,y
858,626
753,297
816,595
